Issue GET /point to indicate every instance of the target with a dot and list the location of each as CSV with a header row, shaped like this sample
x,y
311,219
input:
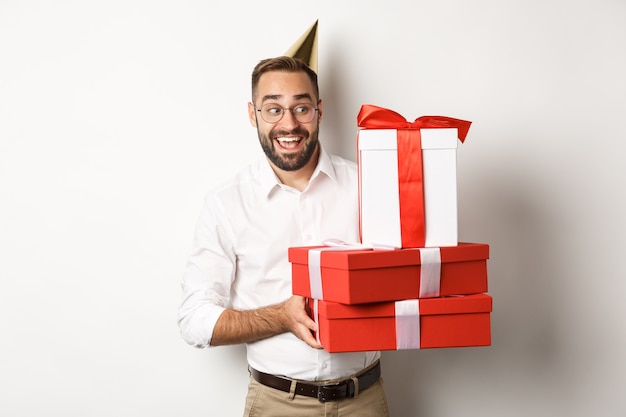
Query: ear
x,y
252,115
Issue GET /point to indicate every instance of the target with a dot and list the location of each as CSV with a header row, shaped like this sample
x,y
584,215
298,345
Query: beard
x,y
291,161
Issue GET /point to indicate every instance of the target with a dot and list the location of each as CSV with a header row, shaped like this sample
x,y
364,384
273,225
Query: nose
x,y
288,120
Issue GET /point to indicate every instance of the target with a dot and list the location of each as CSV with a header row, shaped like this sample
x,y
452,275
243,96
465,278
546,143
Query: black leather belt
x,y
338,390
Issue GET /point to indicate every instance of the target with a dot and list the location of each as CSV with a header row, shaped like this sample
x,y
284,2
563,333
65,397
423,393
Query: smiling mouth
x,y
288,142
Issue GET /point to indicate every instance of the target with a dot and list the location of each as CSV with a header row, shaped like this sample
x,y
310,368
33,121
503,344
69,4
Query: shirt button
x,y
308,237
324,365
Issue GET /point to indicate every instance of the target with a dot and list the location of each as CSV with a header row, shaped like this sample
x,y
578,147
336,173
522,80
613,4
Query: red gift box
x,y
443,322
356,276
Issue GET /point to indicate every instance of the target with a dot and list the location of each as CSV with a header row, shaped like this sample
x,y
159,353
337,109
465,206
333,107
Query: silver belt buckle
x,y
325,392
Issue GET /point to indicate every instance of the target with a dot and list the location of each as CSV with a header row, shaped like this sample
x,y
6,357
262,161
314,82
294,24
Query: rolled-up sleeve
x,y
208,275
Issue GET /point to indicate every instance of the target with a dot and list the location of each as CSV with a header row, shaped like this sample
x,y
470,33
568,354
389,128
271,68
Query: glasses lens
x,y
303,113
272,113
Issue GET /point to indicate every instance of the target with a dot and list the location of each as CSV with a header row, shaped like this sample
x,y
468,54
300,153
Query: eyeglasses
x,y
272,112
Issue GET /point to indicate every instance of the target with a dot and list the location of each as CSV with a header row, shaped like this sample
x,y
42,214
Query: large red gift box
x,y
356,276
444,322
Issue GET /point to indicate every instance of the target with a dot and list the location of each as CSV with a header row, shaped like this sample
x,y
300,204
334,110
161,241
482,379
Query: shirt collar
x,y
325,166
268,179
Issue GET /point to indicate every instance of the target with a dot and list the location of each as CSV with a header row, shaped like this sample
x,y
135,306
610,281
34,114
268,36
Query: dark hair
x,y
282,63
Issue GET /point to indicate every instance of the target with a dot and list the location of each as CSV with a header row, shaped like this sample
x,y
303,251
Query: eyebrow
x,y
279,96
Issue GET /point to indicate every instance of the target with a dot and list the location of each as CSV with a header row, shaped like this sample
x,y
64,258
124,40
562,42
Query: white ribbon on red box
x,y
430,272
407,324
408,311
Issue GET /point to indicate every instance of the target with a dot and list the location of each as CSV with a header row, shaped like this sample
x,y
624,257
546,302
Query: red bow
x,y
374,117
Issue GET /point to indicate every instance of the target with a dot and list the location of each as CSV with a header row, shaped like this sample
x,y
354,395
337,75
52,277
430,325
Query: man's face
x,y
288,143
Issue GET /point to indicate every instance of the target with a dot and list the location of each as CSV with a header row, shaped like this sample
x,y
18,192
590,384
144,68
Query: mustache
x,y
294,132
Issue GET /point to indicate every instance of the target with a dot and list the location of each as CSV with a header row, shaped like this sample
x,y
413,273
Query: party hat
x,y
305,48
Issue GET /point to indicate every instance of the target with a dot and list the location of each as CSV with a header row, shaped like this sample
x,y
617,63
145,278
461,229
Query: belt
x,y
333,391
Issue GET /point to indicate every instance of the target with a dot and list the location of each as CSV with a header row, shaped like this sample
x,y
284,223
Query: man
x,y
237,284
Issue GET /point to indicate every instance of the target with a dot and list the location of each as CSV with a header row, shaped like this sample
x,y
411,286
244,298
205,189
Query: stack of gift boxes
x,y
409,283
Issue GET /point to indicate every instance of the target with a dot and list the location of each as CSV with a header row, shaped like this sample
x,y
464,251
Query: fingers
x,y
307,337
301,324
305,333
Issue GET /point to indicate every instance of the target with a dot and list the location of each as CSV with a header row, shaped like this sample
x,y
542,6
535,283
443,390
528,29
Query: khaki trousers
x,y
263,401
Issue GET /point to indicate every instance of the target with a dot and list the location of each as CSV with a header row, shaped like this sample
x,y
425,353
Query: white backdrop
x,y
117,116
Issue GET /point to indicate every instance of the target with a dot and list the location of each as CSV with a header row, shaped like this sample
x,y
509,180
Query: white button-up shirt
x,y
239,259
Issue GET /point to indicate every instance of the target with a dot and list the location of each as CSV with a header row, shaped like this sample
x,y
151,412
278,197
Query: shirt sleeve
x,y
208,276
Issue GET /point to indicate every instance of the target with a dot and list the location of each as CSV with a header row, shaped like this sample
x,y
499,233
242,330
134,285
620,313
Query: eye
x,y
273,110
302,109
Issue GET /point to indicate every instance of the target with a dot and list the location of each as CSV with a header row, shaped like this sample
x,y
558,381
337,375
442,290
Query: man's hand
x,y
299,322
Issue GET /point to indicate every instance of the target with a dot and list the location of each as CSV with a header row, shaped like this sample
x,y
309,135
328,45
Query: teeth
x,y
288,139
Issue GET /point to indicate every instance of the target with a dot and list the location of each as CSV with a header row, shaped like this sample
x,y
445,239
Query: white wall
x,y
117,116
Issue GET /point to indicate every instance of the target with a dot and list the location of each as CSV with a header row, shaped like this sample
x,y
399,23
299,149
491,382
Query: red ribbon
x,y
410,175
374,117
411,188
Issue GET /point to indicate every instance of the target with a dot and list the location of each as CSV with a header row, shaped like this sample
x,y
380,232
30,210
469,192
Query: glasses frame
x,y
282,114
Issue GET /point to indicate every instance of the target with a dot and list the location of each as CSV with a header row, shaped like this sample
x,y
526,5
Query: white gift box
x,y
380,195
